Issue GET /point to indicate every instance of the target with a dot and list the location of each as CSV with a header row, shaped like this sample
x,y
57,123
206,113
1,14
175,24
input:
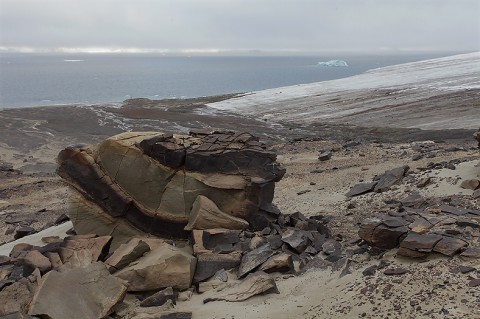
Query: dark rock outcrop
x,y
148,183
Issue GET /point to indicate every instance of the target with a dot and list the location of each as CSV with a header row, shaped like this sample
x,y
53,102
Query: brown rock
x,y
59,293
254,284
471,252
162,267
419,242
209,263
449,246
78,251
282,262
34,259
472,184
206,215
395,271
360,189
148,181
16,297
159,298
474,283
390,178
126,254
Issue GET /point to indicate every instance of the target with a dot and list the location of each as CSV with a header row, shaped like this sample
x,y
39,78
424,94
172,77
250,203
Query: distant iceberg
x,y
336,63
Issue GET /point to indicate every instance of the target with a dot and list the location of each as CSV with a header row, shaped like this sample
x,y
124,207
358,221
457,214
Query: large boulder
x,y
148,183
85,292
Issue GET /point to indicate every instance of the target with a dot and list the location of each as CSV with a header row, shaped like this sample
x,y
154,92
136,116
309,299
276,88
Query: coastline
x,y
32,195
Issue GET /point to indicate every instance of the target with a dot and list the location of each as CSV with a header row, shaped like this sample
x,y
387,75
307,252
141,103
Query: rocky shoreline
x,y
323,161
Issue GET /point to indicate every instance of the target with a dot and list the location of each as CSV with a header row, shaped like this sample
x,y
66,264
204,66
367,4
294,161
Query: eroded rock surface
x,y
148,183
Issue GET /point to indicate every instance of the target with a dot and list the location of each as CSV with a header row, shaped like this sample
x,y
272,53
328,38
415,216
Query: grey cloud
x,y
241,24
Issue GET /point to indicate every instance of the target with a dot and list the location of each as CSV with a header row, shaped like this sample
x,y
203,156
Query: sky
x,y
199,26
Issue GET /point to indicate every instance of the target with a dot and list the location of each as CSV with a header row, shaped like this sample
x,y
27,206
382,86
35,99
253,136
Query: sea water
x,y
35,79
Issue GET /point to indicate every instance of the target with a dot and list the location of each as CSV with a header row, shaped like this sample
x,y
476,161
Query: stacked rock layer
x,y
141,183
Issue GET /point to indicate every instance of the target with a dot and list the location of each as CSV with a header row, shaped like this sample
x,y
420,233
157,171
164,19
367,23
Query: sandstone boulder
x,y
86,292
148,182
127,253
162,267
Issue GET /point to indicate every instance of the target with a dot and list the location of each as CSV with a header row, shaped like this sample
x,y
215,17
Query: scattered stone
x,y
370,271
472,184
79,251
296,239
395,271
360,189
208,264
282,262
449,246
423,182
417,157
34,259
254,284
390,178
471,252
466,269
23,231
303,192
325,156
474,283
253,259
159,298
171,315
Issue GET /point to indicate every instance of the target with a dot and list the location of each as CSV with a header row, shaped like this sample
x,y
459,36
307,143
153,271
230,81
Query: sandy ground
x,y
33,194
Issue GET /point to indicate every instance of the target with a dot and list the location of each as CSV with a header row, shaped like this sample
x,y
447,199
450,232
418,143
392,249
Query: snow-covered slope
x,y
438,93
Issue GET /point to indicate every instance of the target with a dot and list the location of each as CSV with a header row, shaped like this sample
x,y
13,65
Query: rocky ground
x,y
323,162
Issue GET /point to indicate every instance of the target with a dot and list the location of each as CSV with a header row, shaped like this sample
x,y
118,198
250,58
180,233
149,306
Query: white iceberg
x,y
335,63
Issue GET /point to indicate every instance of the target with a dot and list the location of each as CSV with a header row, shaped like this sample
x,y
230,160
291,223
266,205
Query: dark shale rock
x,y
159,298
360,189
210,263
296,239
253,259
390,178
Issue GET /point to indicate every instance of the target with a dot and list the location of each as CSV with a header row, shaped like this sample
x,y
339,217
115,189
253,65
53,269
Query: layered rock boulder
x,y
149,183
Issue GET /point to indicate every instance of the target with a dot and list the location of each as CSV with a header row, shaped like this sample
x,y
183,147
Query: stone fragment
x,y
376,233
169,315
209,263
253,259
390,178
219,238
449,246
419,242
282,262
331,247
254,284
296,239
472,184
476,194
471,252
474,283
405,252
16,297
466,269
206,215
395,271
423,182
126,254
159,298
58,294
34,259
23,231
78,251
360,189
165,266
325,156
414,200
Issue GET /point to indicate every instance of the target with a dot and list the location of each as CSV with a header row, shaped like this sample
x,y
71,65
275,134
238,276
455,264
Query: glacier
x,y
440,93
333,63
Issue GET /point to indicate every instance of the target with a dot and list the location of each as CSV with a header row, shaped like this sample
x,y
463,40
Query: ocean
x,y
35,79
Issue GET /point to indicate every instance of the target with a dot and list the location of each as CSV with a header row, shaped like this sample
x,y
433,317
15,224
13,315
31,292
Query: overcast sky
x,y
270,25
